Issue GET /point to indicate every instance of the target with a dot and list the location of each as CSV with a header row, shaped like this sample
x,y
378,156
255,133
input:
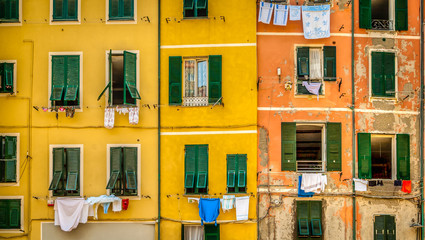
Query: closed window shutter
x,y
115,169
202,180
175,80
303,67
329,55
15,213
389,74
364,156
390,227
201,4
378,83
288,146
4,213
242,170
212,232
231,170
73,168
8,75
315,218
188,4
58,6
128,8
10,158
190,166
403,157
365,14
14,9
130,167
58,168
401,15
333,143
130,65
72,9
109,85
58,78
214,78
72,78
379,228
303,218
114,6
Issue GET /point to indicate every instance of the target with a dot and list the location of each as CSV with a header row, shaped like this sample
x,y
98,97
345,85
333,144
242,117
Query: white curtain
x,y
315,63
193,232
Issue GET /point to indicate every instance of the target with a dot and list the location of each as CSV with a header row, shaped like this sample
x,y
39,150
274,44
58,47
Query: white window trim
x,y
324,146
13,24
68,22
18,154
206,58
296,71
49,104
391,99
81,175
106,94
393,154
15,77
20,230
139,162
134,21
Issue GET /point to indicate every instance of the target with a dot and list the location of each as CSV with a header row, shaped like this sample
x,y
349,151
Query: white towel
x,y
69,212
133,116
280,15
360,185
117,205
265,14
227,202
313,182
242,208
109,118
294,13
316,21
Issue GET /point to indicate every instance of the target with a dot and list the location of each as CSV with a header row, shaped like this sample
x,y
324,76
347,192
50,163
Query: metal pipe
x,y
159,120
421,119
353,113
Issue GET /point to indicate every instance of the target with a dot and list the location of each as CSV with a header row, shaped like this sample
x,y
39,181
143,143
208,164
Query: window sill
x,y
121,21
9,184
386,99
5,94
308,96
12,231
65,22
196,18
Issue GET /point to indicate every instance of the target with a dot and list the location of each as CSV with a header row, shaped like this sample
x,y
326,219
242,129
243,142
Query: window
x,y
66,75
207,232
384,227
8,158
195,8
66,172
303,147
7,76
122,78
383,74
384,156
9,11
121,9
10,213
65,10
383,14
315,64
202,80
309,219
236,173
196,169
123,171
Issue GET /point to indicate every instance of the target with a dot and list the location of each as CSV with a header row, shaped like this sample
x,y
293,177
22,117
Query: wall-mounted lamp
x,y
279,73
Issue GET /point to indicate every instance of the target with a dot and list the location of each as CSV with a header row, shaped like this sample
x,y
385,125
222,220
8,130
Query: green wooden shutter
x,y
401,15
390,227
378,83
175,80
188,4
365,14
303,67
403,157
8,75
72,78
212,232
58,167
333,144
72,10
242,168
58,9
115,166
73,168
14,10
389,74
10,158
329,56
4,214
109,85
316,218
303,218
231,170
114,6
364,156
130,66
14,213
190,166
128,8
202,180
214,78
201,4
379,228
58,77
289,144
130,167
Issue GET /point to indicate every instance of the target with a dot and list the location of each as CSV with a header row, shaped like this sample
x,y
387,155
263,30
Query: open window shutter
x,y
212,232
401,15
364,156
10,156
390,227
316,218
231,170
115,166
303,67
130,65
329,56
288,146
379,228
202,180
114,6
130,167
201,4
128,8
403,157
365,14
8,74
242,170
109,85
58,77
389,74
175,80
72,9
4,213
72,78
73,168
303,218
377,74
190,166
15,213
333,146
188,4
58,164
214,78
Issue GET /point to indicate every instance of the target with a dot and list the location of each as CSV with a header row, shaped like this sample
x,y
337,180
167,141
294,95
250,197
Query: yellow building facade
x,y
208,115
63,54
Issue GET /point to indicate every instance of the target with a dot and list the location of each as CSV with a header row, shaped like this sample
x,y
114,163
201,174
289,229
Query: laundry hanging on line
x,y
294,13
209,209
265,13
280,15
69,212
316,21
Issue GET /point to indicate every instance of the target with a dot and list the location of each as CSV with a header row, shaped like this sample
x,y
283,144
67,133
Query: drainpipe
x,y
159,119
353,123
421,121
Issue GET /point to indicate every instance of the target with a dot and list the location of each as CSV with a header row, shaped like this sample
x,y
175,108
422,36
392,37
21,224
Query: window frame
x,y
308,202
204,102
195,9
121,21
22,214
81,172
18,155
393,155
385,215
12,24
196,173
78,108
323,149
139,162
65,21
236,181
15,77
380,98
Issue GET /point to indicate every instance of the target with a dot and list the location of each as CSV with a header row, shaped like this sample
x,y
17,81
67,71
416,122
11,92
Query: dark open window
x,y
383,14
382,157
309,148
195,8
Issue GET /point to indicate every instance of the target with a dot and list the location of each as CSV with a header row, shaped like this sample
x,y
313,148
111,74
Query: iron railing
x,y
380,24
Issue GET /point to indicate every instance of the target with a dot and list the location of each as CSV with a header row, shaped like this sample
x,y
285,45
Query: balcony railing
x,y
309,165
195,101
380,24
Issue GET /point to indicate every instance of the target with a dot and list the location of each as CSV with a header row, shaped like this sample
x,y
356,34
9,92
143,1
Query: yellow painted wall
x,y
93,37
